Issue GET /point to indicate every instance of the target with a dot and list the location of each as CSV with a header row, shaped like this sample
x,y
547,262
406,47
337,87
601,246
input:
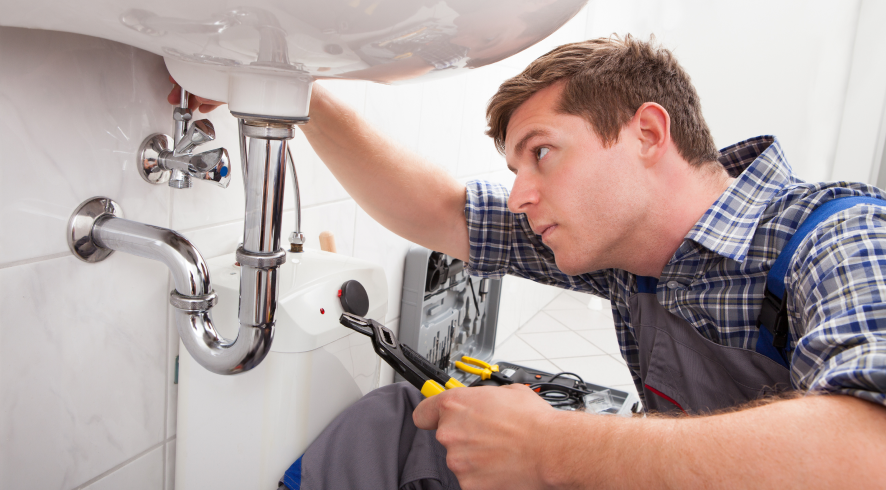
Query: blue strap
x,y
764,346
772,342
778,273
292,477
646,284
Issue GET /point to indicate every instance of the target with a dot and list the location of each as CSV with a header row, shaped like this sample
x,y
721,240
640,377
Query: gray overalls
x,y
683,371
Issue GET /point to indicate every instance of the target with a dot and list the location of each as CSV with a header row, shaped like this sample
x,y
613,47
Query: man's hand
x,y
194,102
495,437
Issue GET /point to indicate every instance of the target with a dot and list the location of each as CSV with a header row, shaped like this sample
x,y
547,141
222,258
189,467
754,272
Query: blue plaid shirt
x,y
835,289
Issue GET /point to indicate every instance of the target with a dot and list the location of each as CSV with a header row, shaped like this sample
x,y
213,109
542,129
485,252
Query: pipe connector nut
x,y
192,303
261,261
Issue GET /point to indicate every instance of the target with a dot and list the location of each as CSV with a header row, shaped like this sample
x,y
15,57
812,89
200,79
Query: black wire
x,y
561,395
554,387
570,374
473,295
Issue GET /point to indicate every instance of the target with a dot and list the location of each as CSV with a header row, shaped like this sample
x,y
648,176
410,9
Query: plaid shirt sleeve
x,y
840,301
503,243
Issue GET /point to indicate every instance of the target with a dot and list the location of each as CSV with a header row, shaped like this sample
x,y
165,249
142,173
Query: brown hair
x,y
606,82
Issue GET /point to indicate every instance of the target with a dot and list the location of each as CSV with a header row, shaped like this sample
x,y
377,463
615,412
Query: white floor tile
x,y
599,370
539,364
584,298
565,302
605,340
542,323
560,344
516,349
583,319
631,388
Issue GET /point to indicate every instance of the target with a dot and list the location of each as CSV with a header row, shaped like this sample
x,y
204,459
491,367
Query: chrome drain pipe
x,y
260,254
97,229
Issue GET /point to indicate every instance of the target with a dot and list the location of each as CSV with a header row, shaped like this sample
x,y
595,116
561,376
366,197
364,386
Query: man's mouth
x,y
546,231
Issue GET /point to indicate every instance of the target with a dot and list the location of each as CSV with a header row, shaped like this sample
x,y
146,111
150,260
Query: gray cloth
x,y
375,445
682,370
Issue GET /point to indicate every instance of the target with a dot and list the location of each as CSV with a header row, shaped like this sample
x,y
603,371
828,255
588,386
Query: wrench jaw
x,y
388,348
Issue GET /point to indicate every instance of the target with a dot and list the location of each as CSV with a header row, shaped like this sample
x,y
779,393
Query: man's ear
x,y
653,128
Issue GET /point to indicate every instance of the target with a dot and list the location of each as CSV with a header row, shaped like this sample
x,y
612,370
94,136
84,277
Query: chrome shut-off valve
x,y
161,159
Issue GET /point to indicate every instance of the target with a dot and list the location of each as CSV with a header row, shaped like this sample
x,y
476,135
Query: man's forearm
x,y
810,442
409,196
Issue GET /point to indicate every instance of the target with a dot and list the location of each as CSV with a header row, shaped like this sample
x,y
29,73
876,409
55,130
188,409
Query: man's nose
x,y
524,194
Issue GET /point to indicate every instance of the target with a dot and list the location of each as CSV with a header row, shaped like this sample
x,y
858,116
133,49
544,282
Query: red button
x,y
322,311
339,293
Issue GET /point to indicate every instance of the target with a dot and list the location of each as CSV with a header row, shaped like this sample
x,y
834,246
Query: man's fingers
x,y
427,414
204,108
174,95
195,103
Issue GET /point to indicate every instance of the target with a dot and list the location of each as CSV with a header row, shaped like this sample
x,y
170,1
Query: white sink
x,y
262,58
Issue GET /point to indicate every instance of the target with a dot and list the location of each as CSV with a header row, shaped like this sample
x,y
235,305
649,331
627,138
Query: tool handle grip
x,y
427,367
469,369
480,363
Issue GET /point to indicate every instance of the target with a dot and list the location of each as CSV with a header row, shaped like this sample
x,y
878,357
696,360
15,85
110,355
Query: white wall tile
x,y
169,477
439,136
395,110
145,473
73,112
82,367
351,92
374,242
316,183
477,152
339,218
799,98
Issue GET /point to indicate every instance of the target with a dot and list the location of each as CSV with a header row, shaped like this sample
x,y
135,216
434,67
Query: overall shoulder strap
x,y
773,313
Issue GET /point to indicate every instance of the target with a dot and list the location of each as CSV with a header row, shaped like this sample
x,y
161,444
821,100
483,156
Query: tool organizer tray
x,y
446,314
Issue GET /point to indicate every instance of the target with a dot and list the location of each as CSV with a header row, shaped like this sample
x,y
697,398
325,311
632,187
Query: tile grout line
x,y
34,260
238,220
121,465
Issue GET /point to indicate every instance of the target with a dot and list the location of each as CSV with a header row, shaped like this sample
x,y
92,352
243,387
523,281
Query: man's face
x,y
581,197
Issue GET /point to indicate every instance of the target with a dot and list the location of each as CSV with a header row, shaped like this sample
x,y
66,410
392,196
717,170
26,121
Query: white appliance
x,y
243,431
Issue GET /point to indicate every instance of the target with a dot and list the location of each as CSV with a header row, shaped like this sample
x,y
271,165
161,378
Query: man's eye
x,y
540,153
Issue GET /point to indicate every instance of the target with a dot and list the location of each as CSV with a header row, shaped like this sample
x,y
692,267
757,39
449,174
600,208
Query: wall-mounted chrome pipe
x,y
97,228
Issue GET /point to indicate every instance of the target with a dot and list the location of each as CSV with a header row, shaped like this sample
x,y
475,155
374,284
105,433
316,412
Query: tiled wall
x,y
86,351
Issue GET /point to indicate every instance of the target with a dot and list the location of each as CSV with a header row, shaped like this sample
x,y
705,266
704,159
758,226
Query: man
x,y
621,192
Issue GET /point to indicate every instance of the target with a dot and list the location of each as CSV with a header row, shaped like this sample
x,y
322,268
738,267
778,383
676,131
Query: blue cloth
x,y
292,477
716,278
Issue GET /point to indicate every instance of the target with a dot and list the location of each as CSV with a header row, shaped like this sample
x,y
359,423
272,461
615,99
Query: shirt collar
x,y
727,227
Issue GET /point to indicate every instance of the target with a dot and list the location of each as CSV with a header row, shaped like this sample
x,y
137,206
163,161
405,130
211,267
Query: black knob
x,y
354,298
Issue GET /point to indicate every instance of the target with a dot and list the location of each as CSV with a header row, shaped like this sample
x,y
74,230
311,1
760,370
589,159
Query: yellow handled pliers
x,y
482,369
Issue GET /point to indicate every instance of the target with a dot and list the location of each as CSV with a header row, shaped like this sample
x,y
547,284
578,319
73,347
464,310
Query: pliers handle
x,y
406,362
481,368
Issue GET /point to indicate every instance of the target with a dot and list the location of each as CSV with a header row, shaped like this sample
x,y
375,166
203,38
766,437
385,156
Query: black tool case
x,y
446,314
